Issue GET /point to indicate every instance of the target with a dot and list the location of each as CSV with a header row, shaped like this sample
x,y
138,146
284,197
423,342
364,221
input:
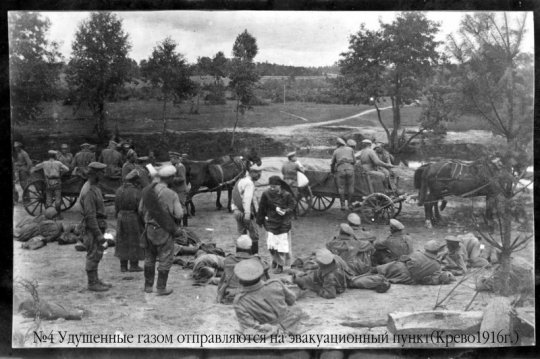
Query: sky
x,y
285,37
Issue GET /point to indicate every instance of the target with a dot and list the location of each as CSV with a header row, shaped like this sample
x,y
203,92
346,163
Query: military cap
x,y
324,256
354,219
113,143
174,154
131,153
50,213
243,242
395,224
433,246
290,154
345,228
64,145
206,273
185,155
366,141
134,174
17,144
97,166
256,168
85,145
452,239
167,171
126,145
52,152
274,180
351,142
248,269
340,141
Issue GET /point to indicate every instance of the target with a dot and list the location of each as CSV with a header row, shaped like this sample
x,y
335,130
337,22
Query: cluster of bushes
x,y
317,90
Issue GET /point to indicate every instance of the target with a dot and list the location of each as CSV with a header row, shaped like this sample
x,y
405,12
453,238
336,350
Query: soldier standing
x,y
22,163
94,224
52,169
343,164
112,158
179,184
290,171
64,155
83,158
161,210
130,165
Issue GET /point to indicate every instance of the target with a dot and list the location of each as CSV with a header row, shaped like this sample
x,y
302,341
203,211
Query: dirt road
x,y
59,271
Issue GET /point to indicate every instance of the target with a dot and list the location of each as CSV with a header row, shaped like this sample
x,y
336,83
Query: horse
x,y
217,174
454,178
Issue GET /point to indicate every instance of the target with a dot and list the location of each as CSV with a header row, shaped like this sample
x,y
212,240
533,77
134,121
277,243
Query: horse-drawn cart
x,y
34,197
371,198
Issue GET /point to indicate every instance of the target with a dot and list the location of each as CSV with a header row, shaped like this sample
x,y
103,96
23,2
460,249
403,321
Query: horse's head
x,y
253,156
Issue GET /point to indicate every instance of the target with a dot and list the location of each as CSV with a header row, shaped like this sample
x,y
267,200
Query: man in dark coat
x,y
94,224
276,208
129,226
266,307
394,246
112,158
342,165
162,212
83,158
229,284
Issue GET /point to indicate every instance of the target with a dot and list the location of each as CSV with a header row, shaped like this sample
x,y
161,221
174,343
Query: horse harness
x,y
240,165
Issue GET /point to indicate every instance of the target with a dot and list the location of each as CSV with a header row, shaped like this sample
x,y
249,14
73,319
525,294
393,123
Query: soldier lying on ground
x,y
462,252
264,306
229,284
355,252
207,268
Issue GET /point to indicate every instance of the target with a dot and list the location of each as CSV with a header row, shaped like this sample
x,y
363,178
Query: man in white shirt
x,y
243,206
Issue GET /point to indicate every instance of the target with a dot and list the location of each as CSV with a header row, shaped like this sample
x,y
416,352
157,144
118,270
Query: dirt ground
x,y
59,271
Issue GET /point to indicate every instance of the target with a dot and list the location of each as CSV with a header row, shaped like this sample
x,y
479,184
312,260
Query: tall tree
x,y
497,83
243,74
217,68
99,65
166,69
393,62
34,64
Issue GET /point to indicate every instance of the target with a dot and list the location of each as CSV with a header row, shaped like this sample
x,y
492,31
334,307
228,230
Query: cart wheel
x,y
34,197
378,208
68,201
322,203
398,206
304,201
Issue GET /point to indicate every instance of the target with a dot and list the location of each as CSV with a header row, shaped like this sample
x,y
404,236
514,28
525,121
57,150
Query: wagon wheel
x,y
322,203
398,206
304,201
378,208
68,201
34,197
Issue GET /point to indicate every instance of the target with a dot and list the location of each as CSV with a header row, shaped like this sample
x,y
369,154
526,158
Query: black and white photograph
x,y
272,179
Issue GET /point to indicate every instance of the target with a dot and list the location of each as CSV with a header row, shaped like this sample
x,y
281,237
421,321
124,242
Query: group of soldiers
x,y
150,215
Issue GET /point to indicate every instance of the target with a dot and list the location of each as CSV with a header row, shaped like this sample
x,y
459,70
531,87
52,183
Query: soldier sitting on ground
x,y
355,252
261,306
462,252
394,246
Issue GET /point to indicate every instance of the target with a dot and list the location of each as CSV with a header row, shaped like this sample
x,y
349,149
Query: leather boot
x,y
134,266
93,284
255,247
162,283
185,220
123,266
187,250
108,285
149,274
342,202
349,202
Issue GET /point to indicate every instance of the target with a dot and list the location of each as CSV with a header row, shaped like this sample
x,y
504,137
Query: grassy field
x,y
137,115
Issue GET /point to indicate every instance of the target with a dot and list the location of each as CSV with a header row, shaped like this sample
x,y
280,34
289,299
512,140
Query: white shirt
x,y
246,187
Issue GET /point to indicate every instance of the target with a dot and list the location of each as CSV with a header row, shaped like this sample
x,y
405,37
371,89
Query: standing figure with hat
x,y
94,226
354,251
243,205
420,267
128,225
329,279
64,155
22,164
343,164
276,208
83,158
394,246
264,306
462,252
371,163
179,184
112,158
52,170
290,171
229,284
130,164
162,212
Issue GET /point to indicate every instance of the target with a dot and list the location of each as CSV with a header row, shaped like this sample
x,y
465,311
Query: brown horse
x,y
453,178
218,174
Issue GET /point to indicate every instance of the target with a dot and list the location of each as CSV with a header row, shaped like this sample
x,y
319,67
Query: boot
x,y
187,250
123,266
255,247
342,202
185,220
134,266
108,285
349,202
93,284
162,283
149,274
